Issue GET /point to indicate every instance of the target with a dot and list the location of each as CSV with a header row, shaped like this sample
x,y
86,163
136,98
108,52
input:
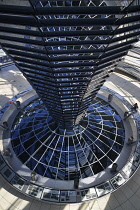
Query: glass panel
x,y
64,152
97,168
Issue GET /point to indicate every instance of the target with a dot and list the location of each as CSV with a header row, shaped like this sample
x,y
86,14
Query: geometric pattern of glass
x,y
87,149
67,48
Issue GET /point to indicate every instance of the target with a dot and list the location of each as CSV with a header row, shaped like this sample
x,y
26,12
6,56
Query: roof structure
x,y
63,144
66,49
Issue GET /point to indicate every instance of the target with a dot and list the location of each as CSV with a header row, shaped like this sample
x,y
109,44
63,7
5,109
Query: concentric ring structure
x,y
88,149
66,49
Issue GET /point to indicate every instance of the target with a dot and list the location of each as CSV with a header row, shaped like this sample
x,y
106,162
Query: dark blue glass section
x,y
96,105
91,108
40,169
15,142
31,163
54,161
84,123
52,126
54,142
25,119
26,136
109,135
72,173
106,141
112,155
109,129
86,172
50,173
59,143
40,152
86,139
24,157
26,125
47,137
103,146
97,168
92,148
94,121
108,112
117,117
95,116
49,119
25,130
47,156
109,108
41,132
90,155
109,123
65,144
99,153
82,141
94,127
35,146
72,159
29,142
77,143
82,158
64,160
95,133
50,139
119,140
71,145
18,149
90,135
62,174
15,133
100,109
119,125
39,124
121,132
117,147
57,153
105,161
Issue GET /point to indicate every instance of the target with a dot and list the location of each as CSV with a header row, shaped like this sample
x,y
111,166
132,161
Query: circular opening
x,y
61,154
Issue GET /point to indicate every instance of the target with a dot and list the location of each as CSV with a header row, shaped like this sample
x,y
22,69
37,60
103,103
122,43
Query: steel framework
x,y
66,49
